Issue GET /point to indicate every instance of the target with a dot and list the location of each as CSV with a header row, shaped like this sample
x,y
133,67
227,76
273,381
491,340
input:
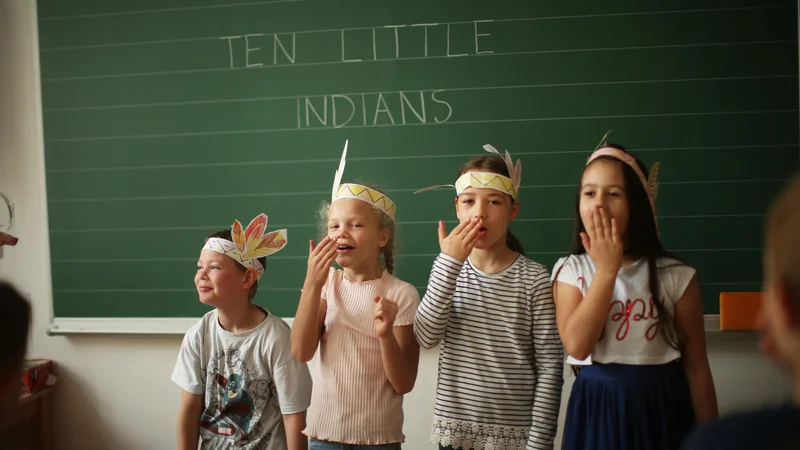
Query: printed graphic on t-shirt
x,y
236,401
636,311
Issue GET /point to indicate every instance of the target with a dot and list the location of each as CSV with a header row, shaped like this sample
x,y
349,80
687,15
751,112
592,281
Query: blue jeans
x,y
315,444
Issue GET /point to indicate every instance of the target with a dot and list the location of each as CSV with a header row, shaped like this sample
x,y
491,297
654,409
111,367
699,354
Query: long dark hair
x,y
641,240
16,311
494,164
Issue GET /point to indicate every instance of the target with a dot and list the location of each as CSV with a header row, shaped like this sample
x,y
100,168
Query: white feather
x,y
337,178
515,173
430,188
490,149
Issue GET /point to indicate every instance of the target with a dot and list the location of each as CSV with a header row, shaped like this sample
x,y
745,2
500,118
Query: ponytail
x,y
387,252
514,244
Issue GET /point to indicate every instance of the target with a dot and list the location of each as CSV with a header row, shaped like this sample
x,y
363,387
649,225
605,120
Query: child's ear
x,y
514,208
383,237
250,277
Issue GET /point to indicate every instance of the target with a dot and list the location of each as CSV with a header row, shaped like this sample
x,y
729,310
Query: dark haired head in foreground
x,y
16,314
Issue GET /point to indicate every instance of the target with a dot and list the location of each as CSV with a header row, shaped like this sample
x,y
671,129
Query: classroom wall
x,y
114,391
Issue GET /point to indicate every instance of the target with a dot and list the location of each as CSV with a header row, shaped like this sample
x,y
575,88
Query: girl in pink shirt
x,y
361,318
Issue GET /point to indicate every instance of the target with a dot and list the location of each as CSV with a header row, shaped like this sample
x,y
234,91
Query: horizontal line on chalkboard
x,y
581,16
462,122
457,89
397,256
279,194
392,158
151,11
395,60
420,222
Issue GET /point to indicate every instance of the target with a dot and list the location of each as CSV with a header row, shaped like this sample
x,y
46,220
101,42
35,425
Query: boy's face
x,y
780,337
220,279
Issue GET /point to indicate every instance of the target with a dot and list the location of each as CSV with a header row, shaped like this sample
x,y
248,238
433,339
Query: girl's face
x,y
492,208
220,279
359,236
603,186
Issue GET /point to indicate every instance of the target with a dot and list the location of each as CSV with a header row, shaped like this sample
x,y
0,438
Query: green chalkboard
x,y
165,120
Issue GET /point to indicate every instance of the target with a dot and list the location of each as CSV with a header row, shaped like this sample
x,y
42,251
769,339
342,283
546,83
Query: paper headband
x,y
250,244
649,183
359,192
488,180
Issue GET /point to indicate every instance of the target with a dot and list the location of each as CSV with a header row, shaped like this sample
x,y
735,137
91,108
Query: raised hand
x,y
460,242
385,313
602,241
320,258
7,239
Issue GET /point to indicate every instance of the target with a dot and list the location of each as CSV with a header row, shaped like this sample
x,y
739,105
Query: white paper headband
x,y
360,192
250,244
488,180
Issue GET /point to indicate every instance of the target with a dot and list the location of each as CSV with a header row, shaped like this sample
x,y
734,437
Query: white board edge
x,y
711,322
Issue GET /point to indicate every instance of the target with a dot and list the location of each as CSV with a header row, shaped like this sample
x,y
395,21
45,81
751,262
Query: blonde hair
x,y
782,243
384,222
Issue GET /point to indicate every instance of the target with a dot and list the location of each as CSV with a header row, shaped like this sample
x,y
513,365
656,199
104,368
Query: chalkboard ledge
x,y
178,325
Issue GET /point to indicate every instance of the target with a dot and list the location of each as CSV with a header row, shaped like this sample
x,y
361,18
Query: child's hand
x,y
385,313
602,241
7,239
460,242
320,258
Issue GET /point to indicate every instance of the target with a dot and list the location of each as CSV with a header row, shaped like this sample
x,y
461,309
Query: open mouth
x,y
482,231
344,248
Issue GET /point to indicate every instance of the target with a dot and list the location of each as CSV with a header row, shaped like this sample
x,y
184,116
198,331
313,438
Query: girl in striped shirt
x,y
361,319
491,308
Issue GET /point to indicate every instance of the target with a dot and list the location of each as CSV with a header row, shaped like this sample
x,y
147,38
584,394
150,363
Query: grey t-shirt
x,y
247,380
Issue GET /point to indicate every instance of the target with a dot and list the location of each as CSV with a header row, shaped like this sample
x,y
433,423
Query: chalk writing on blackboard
x,y
420,40
373,109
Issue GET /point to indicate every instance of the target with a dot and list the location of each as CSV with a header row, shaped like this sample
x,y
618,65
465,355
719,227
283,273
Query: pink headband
x,y
650,185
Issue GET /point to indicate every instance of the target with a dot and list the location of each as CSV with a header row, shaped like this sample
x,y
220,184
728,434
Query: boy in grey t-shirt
x,y
242,388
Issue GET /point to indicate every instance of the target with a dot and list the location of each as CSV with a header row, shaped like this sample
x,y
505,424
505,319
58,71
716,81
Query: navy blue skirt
x,y
628,407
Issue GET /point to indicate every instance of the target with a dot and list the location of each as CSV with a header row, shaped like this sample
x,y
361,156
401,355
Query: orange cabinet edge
x,y
739,310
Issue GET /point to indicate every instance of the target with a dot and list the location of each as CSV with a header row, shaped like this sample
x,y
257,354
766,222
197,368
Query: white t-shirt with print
x,y
248,380
631,334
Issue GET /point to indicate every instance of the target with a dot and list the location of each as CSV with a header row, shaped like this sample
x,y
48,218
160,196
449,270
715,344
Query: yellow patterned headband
x,y
360,192
250,244
488,180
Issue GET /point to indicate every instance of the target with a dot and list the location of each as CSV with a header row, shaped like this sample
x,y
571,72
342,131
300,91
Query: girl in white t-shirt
x,y
644,377
361,320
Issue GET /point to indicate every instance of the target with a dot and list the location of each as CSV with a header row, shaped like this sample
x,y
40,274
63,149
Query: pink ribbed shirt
x,y
352,400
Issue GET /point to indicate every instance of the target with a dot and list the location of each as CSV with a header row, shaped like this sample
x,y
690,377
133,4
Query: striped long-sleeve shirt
x,y
501,360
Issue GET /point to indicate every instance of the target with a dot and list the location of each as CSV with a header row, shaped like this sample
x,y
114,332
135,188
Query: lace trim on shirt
x,y
469,435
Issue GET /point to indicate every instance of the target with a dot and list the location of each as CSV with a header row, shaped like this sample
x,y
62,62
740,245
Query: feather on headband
x,y
249,244
488,180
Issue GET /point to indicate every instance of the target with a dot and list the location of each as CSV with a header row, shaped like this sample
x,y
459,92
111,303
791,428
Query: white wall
x,y
114,392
